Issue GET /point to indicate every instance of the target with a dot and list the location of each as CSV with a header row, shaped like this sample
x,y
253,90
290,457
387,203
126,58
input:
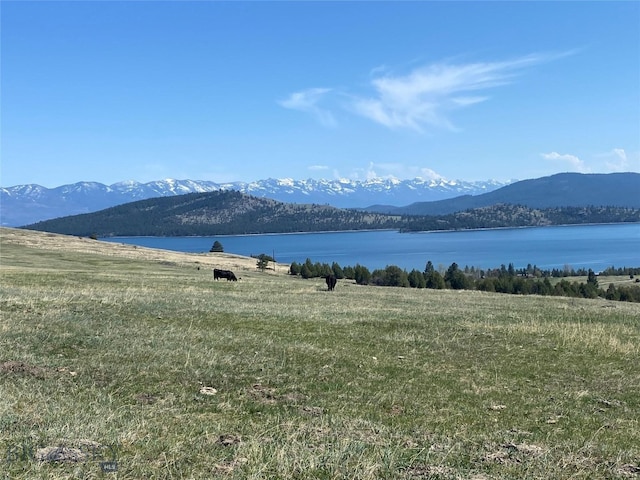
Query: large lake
x,y
584,246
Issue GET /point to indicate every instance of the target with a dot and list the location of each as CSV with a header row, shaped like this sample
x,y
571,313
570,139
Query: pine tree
x,y
217,247
416,279
294,268
429,269
305,271
455,278
337,270
263,261
362,274
434,280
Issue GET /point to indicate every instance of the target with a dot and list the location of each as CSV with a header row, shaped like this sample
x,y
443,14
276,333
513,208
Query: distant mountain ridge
x,y
27,204
560,190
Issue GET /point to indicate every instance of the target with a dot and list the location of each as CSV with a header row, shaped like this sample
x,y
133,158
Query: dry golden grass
x,y
54,242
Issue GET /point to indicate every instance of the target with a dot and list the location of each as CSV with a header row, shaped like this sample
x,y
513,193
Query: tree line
x,y
505,279
508,215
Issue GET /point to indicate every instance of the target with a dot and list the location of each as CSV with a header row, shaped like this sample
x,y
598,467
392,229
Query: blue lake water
x,y
582,246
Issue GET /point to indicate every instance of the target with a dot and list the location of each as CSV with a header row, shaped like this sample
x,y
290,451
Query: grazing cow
x,y
228,274
331,282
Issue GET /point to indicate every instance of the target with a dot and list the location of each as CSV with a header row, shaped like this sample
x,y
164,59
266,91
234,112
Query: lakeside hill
x,y
561,190
234,213
215,213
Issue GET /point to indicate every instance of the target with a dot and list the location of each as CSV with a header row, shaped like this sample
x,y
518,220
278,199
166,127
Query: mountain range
x,y
583,199
27,204
560,190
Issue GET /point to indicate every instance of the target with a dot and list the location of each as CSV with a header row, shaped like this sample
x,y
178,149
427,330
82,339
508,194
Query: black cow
x,y
228,274
331,282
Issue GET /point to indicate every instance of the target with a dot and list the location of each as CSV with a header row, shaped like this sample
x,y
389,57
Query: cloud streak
x,y
307,101
423,98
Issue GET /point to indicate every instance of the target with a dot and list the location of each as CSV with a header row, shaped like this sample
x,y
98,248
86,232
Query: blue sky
x,y
242,91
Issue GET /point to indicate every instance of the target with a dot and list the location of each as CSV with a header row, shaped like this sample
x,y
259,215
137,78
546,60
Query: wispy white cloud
x,y
399,170
617,160
307,101
390,170
428,174
571,160
425,97
358,173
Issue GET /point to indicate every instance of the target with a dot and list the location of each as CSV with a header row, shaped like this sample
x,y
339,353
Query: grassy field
x,y
131,363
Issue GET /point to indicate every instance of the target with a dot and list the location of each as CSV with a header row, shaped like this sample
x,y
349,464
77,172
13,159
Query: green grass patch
x,y
164,372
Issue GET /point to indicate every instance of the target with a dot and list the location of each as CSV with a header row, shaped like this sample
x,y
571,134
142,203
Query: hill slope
x,y
561,190
51,244
214,213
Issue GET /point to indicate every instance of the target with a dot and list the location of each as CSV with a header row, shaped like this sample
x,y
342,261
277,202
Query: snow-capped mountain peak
x,y
26,204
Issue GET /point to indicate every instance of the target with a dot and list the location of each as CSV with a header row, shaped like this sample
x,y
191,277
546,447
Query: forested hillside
x,y
560,190
229,213
215,213
504,215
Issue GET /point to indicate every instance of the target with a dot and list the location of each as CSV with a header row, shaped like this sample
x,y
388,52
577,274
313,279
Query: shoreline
x,y
378,249
322,232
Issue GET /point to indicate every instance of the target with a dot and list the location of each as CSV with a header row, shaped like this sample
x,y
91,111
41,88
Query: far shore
x,y
319,232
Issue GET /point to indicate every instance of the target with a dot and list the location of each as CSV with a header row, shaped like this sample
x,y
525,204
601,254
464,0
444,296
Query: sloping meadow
x,y
151,369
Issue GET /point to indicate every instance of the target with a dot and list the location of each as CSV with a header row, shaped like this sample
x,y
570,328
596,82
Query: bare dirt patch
x,y
263,394
514,453
229,439
229,466
270,396
628,470
313,411
146,399
21,368
79,451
